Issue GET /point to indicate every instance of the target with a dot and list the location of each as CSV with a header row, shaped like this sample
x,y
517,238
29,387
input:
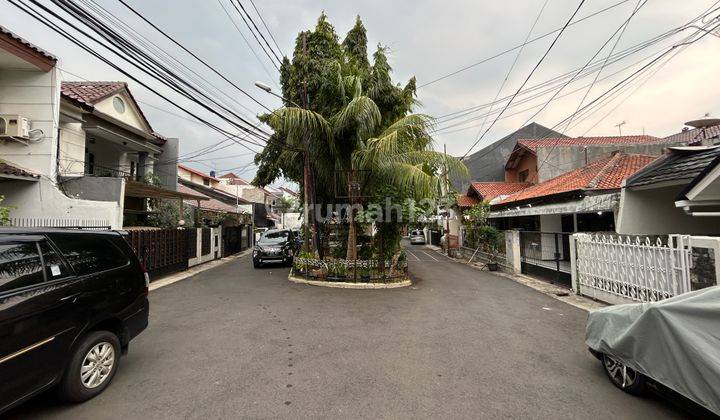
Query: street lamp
x,y
268,89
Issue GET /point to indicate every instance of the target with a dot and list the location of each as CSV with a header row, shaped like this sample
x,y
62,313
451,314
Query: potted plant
x,y
490,238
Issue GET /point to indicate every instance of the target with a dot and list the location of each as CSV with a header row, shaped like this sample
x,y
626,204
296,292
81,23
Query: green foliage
x,y
4,213
358,119
478,214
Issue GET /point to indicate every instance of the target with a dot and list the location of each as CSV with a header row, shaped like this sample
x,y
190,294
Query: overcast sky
x,y
426,39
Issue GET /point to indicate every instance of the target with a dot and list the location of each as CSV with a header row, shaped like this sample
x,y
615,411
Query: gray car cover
x,y
676,342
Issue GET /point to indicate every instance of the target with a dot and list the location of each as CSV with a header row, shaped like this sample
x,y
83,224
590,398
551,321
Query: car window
x,y
20,265
274,237
89,254
54,266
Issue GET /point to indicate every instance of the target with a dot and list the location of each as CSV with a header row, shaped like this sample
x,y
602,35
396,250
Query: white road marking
x,y
433,258
413,255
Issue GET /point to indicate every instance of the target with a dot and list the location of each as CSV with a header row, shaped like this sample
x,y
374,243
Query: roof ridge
x,y
612,164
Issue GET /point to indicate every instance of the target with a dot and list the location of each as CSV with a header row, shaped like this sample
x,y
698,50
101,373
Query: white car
x,y
417,237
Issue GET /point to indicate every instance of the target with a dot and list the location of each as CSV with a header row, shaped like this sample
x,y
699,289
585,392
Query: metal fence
x,y
162,251
236,239
32,222
611,267
355,271
547,255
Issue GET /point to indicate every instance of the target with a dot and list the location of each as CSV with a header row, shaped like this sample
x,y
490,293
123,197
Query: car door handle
x,y
69,297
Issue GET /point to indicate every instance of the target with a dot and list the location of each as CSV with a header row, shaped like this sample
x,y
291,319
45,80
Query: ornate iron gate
x,y
546,255
615,268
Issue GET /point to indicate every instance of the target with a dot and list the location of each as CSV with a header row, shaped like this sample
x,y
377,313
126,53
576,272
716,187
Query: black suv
x,y
70,302
275,245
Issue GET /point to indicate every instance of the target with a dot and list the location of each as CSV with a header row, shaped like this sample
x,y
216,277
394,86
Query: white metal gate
x,y
616,269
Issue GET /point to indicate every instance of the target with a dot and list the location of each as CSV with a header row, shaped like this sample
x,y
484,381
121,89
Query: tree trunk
x,y
352,233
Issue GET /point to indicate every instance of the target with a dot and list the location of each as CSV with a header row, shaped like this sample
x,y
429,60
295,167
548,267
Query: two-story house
x,y
74,153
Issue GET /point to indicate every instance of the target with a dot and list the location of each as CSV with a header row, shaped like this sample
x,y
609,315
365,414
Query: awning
x,y
143,190
587,204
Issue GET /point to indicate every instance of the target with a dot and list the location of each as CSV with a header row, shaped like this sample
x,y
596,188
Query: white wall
x,y
550,223
43,202
72,149
653,212
131,115
35,95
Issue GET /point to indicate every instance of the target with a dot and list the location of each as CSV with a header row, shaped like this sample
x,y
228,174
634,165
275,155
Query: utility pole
x,y
306,166
447,196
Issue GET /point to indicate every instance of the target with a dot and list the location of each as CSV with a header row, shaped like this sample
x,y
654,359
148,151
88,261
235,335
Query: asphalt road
x,y
236,342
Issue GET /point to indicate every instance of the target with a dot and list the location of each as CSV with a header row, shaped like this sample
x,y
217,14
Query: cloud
x,y
427,39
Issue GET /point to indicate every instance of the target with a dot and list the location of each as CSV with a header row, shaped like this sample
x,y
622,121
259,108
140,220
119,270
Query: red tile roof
x,y
464,201
534,144
489,190
196,172
235,180
90,93
694,135
86,94
15,44
604,174
209,204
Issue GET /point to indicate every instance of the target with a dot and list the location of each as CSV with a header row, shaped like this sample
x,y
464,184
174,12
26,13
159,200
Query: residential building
x,y
53,172
488,163
581,200
538,160
707,135
219,198
678,193
487,191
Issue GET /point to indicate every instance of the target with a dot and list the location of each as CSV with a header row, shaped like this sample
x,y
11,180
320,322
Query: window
x,y
89,254
523,175
206,181
119,104
20,265
132,169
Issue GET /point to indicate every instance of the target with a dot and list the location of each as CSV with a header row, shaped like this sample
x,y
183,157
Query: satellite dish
x,y
703,122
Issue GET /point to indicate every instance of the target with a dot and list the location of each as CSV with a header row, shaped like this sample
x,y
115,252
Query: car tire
x,y
623,377
102,345
257,264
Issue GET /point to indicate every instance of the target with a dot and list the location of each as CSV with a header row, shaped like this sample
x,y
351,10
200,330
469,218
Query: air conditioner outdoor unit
x,y
15,126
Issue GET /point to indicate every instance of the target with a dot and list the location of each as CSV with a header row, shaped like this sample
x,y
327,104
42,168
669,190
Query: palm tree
x,y
350,141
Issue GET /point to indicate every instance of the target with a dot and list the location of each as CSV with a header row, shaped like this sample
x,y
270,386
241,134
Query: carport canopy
x,y
143,190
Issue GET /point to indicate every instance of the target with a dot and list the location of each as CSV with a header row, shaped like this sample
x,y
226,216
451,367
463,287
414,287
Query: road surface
x,y
236,342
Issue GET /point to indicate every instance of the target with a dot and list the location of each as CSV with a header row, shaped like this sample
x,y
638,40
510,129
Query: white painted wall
x,y
131,116
72,149
653,212
35,95
550,223
43,202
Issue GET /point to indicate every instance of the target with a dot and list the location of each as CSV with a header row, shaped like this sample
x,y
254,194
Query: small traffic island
x,y
351,274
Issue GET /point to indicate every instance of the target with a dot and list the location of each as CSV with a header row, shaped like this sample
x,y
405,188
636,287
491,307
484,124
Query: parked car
x,y
70,302
417,237
275,246
669,347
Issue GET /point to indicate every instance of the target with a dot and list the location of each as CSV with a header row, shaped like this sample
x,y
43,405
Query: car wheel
x,y
257,264
623,377
92,366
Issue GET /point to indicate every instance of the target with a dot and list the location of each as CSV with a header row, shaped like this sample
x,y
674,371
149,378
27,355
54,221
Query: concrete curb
x,y
174,278
345,285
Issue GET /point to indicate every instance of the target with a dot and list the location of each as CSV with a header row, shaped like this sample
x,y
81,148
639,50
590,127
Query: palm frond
x,y
361,114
